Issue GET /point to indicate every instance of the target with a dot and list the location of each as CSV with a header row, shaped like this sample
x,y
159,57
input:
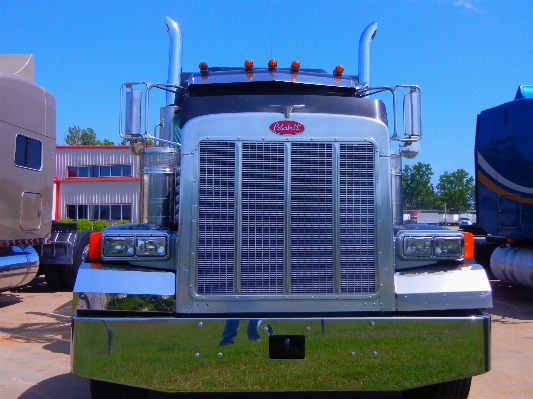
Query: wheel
x,y
53,275
80,255
109,390
457,389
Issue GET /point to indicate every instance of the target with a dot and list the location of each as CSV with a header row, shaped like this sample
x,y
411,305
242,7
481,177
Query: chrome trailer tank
x,y
513,265
18,266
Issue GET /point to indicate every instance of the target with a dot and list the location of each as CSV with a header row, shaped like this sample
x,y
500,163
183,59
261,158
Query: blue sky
x,y
466,55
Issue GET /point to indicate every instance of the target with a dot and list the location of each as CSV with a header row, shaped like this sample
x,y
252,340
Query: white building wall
x,y
98,193
95,191
93,155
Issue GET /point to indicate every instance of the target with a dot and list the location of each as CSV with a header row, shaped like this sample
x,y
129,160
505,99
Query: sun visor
x,y
21,65
524,91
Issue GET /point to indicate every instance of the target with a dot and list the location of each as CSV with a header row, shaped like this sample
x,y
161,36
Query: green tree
x,y
79,136
88,137
456,190
74,136
107,142
417,190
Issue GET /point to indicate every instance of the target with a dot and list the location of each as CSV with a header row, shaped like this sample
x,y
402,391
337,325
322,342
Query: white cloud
x,y
467,4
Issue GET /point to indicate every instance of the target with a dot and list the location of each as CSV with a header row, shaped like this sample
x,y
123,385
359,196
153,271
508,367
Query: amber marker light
x,y
95,246
248,64
295,66
203,67
339,69
469,245
272,64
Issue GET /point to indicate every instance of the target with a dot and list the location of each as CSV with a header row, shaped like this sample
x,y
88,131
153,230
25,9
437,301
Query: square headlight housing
x,y
131,246
438,244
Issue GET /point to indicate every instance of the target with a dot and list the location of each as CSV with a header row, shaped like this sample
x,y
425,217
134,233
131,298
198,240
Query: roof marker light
x,y
203,67
339,69
295,66
248,65
272,64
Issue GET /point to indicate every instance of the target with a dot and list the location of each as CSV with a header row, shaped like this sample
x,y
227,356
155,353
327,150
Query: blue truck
x,y
504,186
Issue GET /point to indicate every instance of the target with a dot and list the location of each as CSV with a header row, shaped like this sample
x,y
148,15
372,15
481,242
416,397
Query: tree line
x,y
454,191
78,136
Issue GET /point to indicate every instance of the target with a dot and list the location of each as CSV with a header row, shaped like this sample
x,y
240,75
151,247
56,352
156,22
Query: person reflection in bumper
x,y
231,329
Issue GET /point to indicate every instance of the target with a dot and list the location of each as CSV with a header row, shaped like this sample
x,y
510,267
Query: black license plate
x,y
286,347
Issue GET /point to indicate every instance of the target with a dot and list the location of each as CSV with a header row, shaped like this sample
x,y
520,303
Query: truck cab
x,y
271,253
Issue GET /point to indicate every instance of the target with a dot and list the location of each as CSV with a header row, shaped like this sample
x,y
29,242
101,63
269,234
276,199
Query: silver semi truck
x,y
31,243
271,253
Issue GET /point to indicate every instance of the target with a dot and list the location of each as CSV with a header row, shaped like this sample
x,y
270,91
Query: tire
x,y
80,255
109,390
458,389
53,275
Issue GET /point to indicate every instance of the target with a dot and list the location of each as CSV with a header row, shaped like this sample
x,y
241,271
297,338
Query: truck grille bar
x,y
254,241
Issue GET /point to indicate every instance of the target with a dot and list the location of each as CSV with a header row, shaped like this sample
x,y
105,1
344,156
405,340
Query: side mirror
x,y
133,113
412,115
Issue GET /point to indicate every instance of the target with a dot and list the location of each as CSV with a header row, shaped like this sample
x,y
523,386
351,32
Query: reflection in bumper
x,y
381,353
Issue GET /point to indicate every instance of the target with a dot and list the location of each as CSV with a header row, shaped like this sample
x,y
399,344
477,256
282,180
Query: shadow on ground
x,y
66,386
278,395
73,387
512,304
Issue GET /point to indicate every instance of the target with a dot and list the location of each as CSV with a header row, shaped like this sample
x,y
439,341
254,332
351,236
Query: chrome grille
x,y
262,218
216,215
311,218
356,218
254,241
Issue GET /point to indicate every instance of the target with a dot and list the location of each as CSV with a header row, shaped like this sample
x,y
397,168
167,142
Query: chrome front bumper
x,y
296,354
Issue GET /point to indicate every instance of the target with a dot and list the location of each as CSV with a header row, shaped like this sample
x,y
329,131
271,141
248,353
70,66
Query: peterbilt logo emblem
x,y
287,127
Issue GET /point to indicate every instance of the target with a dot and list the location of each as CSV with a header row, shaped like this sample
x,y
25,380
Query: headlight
x,y
151,246
430,244
119,246
448,247
418,246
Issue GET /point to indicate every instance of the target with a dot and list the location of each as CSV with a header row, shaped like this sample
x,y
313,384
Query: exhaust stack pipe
x,y
365,42
175,57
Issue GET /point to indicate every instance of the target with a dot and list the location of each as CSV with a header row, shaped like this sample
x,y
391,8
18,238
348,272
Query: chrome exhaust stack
x,y
169,124
365,42
174,57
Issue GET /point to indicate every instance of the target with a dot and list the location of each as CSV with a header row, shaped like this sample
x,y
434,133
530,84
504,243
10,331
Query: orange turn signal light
x,y
203,66
469,245
339,69
248,64
295,66
95,246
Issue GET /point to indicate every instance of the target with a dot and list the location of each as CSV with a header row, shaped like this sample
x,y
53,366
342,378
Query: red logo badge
x,y
287,127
